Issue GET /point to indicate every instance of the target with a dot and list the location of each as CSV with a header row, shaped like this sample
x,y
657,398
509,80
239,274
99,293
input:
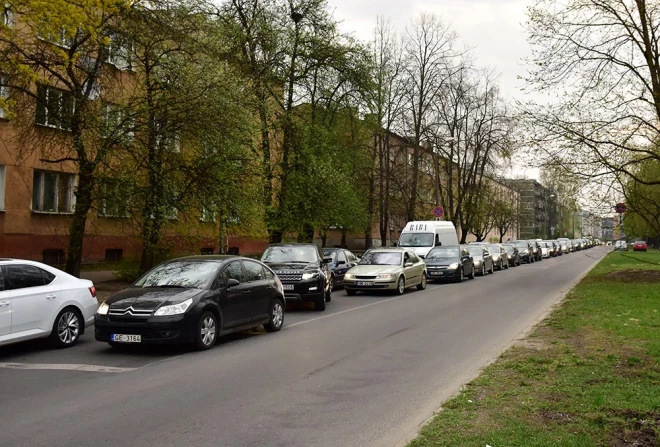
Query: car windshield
x,y
416,240
381,258
543,244
494,249
186,274
640,242
509,249
330,254
522,245
304,254
443,253
475,251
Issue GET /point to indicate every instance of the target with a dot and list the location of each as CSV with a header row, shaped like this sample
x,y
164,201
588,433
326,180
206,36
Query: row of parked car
x,y
194,300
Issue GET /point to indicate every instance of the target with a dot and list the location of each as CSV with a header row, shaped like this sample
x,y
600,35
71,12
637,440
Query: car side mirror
x,y
231,282
409,264
438,244
327,260
341,262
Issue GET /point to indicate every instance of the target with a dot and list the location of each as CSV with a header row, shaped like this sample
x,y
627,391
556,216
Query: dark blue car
x,y
342,261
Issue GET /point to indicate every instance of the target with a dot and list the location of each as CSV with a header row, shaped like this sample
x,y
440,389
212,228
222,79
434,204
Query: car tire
x,y
319,306
67,328
207,332
401,286
460,276
276,317
492,269
472,275
483,270
350,292
422,285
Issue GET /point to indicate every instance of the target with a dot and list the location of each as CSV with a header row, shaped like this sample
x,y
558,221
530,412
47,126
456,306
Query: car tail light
x,y
92,290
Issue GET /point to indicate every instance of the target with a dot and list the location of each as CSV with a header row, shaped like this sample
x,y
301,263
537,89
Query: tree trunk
x,y
464,233
324,239
343,238
84,196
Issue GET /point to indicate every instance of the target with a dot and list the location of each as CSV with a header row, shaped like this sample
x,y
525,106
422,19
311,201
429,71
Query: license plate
x,y
437,273
365,283
287,286
124,338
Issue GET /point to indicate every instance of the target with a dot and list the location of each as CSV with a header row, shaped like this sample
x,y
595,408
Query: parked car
x,y
303,270
558,249
640,246
512,254
40,301
546,249
535,249
499,256
620,246
193,300
525,250
450,262
342,261
566,245
386,269
483,261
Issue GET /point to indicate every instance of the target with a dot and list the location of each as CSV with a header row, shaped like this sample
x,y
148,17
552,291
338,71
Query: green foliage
x,y
643,202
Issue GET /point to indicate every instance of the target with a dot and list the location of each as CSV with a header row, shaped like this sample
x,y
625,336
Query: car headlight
x,y
310,275
385,276
496,258
103,309
477,261
453,266
174,309
349,276
525,252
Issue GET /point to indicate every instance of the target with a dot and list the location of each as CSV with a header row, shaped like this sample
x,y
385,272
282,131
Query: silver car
x,y
391,269
483,261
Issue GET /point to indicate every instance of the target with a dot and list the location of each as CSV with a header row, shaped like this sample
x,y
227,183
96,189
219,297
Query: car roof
x,y
331,249
293,244
217,258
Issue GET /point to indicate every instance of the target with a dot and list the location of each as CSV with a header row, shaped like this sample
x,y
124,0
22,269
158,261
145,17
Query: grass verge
x,y
589,375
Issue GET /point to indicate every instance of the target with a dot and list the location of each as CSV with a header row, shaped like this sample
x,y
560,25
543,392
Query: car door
x,y
235,302
342,267
260,290
35,296
5,310
465,261
488,259
411,271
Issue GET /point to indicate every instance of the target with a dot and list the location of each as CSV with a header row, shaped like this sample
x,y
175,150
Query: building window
x,y
4,93
113,198
207,251
207,215
116,123
60,38
114,254
53,192
3,170
54,107
120,52
8,16
53,256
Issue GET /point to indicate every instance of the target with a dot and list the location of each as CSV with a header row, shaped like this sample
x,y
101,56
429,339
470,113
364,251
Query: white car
x,y
39,301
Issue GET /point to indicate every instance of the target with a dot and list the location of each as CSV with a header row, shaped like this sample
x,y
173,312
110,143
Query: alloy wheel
x,y
278,314
208,331
68,327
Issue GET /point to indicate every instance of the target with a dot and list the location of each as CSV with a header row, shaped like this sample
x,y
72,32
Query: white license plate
x,y
437,273
124,338
365,283
287,286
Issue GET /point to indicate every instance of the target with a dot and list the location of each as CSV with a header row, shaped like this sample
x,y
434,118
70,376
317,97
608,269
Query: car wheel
x,y
422,285
472,275
492,268
483,270
350,292
460,276
276,317
401,286
319,305
207,331
66,328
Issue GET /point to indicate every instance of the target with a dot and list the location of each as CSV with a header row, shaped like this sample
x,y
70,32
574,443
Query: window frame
x,y
120,44
103,199
61,119
220,283
9,280
8,16
246,263
70,196
5,92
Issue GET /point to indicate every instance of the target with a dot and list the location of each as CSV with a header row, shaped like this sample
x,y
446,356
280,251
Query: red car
x,y
639,246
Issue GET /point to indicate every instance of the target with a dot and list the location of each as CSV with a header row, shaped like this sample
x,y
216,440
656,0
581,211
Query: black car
x,y
483,261
193,300
525,249
535,247
303,270
342,261
512,254
499,256
449,262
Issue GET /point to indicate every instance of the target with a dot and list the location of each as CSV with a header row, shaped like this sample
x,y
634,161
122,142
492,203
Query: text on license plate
x,y
287,286
365,283
437,273
125,338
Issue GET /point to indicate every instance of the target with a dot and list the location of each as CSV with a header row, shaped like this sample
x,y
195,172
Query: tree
x,y
56,61
600,58
642,217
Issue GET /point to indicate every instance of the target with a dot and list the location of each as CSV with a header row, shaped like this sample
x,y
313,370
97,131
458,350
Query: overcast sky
x,y
492,28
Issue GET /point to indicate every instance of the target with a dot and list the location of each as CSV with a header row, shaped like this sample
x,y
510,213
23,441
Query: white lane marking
x,y
361,307
66,367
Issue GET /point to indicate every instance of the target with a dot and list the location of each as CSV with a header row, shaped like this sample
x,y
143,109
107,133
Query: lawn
x,y
587,376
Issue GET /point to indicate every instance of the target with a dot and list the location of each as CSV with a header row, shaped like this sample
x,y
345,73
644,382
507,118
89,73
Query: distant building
x,y
535,208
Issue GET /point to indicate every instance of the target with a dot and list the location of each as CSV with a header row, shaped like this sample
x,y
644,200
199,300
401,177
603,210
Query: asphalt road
x,y
366,372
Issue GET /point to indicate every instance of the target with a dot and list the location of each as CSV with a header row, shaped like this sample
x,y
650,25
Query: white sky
x,y
492,28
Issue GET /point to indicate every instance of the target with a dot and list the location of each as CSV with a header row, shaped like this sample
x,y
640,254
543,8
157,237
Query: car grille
x,y
437,267
290,277
127,319
366,277
130,313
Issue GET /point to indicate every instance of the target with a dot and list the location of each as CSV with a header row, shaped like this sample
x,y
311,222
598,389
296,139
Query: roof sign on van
x,y
416,226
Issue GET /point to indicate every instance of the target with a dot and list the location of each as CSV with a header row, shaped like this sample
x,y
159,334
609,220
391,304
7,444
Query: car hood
x,y
149,298
374,269
292,268
441,261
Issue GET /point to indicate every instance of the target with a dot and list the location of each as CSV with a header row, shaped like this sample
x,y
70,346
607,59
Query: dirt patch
x,y
107,288
534,344
634,276
554,416
639,430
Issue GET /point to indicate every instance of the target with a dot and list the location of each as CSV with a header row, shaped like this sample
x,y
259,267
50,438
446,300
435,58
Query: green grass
x,y
587,376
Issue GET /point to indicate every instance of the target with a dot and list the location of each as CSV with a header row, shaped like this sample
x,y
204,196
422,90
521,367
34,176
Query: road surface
x,y
367,372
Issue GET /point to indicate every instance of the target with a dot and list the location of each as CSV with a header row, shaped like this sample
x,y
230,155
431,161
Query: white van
x,y
422,236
